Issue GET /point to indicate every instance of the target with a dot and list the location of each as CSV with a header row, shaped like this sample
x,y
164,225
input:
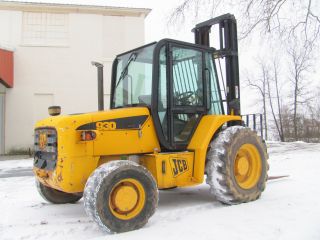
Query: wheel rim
x,y
247,166
127,199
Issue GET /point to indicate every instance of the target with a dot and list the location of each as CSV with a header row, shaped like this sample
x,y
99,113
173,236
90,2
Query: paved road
x,y
16,172
14,157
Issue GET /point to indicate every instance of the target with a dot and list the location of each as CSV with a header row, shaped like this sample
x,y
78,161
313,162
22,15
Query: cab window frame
x,y
170,144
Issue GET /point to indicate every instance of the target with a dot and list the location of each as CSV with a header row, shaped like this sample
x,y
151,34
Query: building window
x,y
45,29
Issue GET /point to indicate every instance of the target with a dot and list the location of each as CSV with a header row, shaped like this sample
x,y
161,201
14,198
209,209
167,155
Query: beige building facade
x,y
53,46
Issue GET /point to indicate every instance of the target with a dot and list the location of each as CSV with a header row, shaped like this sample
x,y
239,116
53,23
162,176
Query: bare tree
x,y
277,89
260,84
285,18
277,121
287,122
312,133
300,65
193,7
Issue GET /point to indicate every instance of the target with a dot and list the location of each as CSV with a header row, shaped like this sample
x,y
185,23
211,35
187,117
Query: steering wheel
x,y
185,98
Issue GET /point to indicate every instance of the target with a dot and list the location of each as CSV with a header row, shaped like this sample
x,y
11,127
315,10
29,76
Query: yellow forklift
x,y
168,126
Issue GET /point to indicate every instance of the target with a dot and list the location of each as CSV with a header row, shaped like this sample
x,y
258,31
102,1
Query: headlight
x,y
88,135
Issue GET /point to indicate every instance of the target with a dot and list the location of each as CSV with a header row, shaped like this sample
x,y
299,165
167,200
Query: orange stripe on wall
x,y
6,68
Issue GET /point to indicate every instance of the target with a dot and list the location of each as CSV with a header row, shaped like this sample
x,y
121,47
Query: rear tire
x,y
54,196
120,196
237,165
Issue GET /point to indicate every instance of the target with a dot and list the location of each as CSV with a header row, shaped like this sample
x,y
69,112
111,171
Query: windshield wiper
x,y
124,72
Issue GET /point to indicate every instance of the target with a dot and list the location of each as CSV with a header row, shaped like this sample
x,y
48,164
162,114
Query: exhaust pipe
x,y
100,85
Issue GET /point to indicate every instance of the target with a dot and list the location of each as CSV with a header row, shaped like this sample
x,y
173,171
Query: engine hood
x,y
124,118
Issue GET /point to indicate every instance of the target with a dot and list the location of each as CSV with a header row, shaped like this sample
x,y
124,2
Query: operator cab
x,y
176,80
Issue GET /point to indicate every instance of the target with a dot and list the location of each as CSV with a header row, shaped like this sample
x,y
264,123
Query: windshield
x,y
133,81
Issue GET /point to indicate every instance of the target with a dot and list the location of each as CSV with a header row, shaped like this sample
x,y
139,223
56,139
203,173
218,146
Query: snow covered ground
x,y
288,209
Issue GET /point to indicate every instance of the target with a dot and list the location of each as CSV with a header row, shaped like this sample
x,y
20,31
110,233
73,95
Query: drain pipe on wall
x,y
100,85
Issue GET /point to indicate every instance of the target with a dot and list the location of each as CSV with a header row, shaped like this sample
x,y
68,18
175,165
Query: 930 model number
x,y
106,126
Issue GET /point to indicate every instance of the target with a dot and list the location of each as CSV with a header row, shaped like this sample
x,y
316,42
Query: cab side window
x,y
187,90
187,77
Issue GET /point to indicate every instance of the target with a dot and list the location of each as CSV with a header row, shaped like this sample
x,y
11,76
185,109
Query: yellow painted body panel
x,y
207,127
115,142
78,159
170,169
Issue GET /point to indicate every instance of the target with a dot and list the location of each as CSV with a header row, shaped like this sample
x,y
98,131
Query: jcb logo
x,y
178,166
105,126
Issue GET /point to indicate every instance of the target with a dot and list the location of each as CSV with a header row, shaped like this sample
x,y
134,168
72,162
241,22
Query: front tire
x,y
120,196
54,196
237,165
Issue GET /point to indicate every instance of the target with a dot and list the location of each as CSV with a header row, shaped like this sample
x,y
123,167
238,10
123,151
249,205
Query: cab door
x,y
181,98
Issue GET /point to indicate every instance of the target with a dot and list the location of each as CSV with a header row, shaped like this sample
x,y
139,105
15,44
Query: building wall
x,y
61,75
2,118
